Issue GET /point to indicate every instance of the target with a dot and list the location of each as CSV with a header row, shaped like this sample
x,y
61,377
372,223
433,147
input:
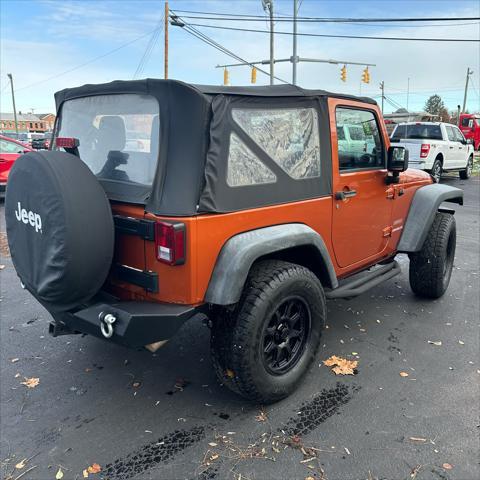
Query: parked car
x,y
244,209
10,150
435,147
470,127
41,143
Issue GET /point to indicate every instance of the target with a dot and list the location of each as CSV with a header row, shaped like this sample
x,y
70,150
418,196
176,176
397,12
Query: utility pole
x,y
469,72
165,61
268,5
294,52
382,88
13,101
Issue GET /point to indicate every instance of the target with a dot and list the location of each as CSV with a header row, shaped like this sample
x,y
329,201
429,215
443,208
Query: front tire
x,y
262,348
465,174
437,170
431,267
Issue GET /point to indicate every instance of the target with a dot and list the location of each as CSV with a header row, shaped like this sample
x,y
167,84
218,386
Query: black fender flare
x,y
240,252
425,204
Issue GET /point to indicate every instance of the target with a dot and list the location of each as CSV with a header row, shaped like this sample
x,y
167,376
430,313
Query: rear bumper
x,y
136,323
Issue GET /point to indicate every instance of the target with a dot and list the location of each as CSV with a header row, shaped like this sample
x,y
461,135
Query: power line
x,y
85,63
287,18
149,48
209,41
353,21
463,40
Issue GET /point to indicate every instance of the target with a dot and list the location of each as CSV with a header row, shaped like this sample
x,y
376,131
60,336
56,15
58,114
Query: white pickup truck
x,y
435,147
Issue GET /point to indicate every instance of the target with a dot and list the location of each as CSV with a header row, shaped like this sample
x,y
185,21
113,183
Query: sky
x,y
48,45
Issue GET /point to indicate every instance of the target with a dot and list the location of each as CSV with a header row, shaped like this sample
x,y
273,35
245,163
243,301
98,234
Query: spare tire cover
x,y
59,227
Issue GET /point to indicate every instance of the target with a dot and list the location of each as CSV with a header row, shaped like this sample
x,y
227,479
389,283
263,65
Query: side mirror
x,y
469,141
397,159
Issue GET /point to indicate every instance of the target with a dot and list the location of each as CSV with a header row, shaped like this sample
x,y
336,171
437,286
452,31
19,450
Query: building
x,y
48,118
26,122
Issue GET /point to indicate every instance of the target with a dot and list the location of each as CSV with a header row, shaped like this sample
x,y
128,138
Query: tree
x,y
434,105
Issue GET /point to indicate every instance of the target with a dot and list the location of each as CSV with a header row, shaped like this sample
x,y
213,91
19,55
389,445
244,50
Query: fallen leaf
x,y
85,473
417,439
309,478
21,464
30,382
214,457
261,417
343,366
437,343
212,444
136,384
95,468
447,466
403,374
230,373
59,474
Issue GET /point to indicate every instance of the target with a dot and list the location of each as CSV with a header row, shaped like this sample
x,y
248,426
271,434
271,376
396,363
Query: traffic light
x,y
366,76
253,78
226,76
343,73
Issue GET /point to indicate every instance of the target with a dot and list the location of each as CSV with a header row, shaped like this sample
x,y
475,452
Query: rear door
x,y
463,148
452,152
362,209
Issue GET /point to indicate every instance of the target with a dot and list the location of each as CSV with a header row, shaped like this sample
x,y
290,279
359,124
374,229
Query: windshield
x,y
118,135
420,131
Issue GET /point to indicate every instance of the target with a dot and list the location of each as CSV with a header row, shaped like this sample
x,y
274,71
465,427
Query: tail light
x,y
424,150
67,142
170,242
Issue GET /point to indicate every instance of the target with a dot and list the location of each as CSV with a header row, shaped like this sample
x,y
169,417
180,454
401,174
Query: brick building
x,y
27,122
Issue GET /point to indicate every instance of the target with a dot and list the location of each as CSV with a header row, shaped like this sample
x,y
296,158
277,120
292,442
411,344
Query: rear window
x,y
118,135
421,131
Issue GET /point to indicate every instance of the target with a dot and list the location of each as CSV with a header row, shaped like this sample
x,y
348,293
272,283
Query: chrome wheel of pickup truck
x,y
465,174
437,170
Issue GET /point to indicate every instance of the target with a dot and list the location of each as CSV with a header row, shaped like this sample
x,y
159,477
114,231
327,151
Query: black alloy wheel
x,y
286,335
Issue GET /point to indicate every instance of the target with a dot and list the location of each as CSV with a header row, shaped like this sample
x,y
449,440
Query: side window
x,y
9,147
290,137
459,135
450,134
244,167
364,148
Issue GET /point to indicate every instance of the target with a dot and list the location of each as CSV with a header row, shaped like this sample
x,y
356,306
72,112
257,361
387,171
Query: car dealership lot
x,y
165,417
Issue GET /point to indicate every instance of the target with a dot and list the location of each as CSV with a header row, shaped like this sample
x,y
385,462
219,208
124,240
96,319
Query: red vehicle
x,y
470,127
10,150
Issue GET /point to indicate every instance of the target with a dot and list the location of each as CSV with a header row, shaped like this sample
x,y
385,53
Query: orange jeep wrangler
x,y
160,201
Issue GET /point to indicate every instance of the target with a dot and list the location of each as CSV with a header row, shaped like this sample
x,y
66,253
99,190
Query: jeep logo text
x,y
30,217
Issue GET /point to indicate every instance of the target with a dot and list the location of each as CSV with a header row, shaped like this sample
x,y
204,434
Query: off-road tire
x,y
437,170
431,267
237,333
467,172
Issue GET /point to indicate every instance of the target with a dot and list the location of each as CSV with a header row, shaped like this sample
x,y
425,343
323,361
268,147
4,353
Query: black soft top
x,y
195,125
152,84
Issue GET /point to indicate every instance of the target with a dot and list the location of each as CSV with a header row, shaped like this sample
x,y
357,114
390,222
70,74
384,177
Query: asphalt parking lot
x,y
164,416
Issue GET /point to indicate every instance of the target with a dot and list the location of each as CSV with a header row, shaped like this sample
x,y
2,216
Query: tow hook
x,y
106,323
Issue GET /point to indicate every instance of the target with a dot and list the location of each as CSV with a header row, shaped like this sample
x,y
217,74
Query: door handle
x,y
345,194
451,148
